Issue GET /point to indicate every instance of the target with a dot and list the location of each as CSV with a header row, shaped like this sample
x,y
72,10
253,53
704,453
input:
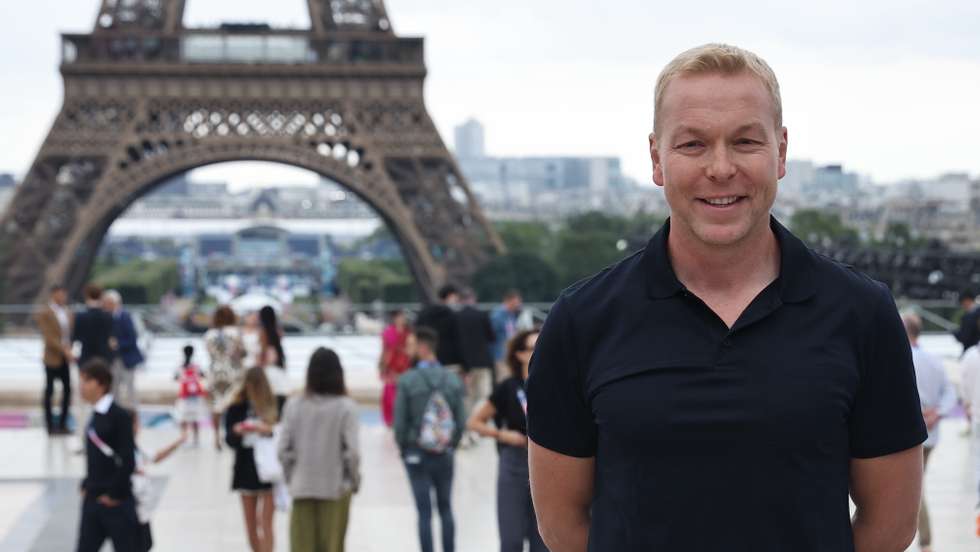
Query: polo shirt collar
x,y
103,404
795,281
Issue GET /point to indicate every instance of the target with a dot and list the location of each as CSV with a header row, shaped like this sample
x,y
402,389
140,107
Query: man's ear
x,y
783,143
658,169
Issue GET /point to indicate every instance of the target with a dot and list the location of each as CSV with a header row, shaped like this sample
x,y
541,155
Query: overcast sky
x,y
889,89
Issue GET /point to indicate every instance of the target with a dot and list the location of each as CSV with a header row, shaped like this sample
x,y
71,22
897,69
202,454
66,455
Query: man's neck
x,y
718,269
428,359
93,304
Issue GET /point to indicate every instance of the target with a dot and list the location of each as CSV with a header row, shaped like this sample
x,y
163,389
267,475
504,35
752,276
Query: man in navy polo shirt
x,y
724,389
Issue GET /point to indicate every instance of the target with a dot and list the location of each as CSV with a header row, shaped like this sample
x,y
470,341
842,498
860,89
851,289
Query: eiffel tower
x,y
147,99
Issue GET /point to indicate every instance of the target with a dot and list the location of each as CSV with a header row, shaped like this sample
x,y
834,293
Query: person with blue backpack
x,y
429,422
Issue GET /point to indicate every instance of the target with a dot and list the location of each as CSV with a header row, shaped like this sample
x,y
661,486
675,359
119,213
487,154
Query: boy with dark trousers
x,y
108,507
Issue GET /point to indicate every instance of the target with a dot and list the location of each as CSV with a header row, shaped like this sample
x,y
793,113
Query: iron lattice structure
x,y
146,99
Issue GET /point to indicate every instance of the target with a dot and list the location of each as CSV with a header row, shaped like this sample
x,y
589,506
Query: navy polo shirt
x,y
713,439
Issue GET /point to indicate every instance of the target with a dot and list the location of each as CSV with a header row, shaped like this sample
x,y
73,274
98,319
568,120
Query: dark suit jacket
x,y
442,319
475,337
969,332
93,328
124,331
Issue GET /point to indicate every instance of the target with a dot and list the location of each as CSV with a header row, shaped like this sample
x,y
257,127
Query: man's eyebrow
x,y
750,127
686,129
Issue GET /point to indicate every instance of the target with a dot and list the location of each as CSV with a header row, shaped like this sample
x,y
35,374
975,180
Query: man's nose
x,y
720,165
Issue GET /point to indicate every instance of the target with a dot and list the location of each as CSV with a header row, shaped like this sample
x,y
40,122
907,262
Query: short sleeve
x,y
886,416
558,416
496,397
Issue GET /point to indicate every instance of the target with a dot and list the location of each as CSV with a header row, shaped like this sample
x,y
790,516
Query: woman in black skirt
x,y
252,413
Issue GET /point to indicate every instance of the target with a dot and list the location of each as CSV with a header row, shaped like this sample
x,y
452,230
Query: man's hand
x,y
108,502
931,417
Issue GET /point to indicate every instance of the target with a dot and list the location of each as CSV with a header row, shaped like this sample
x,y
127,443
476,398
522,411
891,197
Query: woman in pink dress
x,y
395,360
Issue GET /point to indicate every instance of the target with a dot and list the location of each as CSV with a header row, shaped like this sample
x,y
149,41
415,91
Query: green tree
x,y
819,228
139,282
364,281
527,237
898,235
535,277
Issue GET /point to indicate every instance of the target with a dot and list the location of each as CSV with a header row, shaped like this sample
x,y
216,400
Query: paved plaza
x,y
197,512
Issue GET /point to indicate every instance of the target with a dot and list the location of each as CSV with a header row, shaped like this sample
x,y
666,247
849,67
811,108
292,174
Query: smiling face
x,y
718,153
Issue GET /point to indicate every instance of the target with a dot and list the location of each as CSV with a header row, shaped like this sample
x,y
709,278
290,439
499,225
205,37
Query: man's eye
x,y
688,145
747,141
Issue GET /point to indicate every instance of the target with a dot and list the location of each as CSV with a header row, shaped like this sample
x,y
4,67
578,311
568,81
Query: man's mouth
x,y
722,201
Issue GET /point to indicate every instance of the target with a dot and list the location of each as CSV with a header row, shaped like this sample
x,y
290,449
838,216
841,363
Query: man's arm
x,y
886,491
561,489
400,422
125,449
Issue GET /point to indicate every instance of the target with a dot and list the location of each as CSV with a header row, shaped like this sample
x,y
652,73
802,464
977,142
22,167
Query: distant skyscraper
x,y
469,140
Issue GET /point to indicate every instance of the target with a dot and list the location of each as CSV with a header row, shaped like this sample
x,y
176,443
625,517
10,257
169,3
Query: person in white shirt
x,y
971,401
937,397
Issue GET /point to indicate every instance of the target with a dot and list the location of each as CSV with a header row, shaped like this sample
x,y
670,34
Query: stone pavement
x,y
197,511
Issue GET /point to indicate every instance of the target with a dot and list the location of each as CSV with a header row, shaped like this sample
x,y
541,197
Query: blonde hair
x,y
719,59
256,389
912,323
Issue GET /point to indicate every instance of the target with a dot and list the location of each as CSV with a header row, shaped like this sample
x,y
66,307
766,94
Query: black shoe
x,y
61,431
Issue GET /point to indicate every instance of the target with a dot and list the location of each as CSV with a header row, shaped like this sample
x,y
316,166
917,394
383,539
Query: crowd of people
x,y
444,378
452,376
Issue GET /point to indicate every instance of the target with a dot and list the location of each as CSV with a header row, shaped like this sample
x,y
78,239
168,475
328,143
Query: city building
x,y
469,140
547,186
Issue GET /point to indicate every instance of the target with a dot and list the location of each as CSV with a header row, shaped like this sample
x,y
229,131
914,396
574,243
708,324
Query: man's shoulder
x,y
842,279
117,412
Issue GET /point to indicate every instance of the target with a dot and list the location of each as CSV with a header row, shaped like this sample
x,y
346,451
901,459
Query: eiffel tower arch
x,y
146,98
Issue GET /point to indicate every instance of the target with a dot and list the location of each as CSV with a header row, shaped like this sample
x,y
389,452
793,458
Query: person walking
x,y
395,361
938,398
504,319
320,455
441,317
190,407
55,321
108,507
476,338
970,364
429,422
127,357
93,330
252,414
226,351
968,334
272,356
507,407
